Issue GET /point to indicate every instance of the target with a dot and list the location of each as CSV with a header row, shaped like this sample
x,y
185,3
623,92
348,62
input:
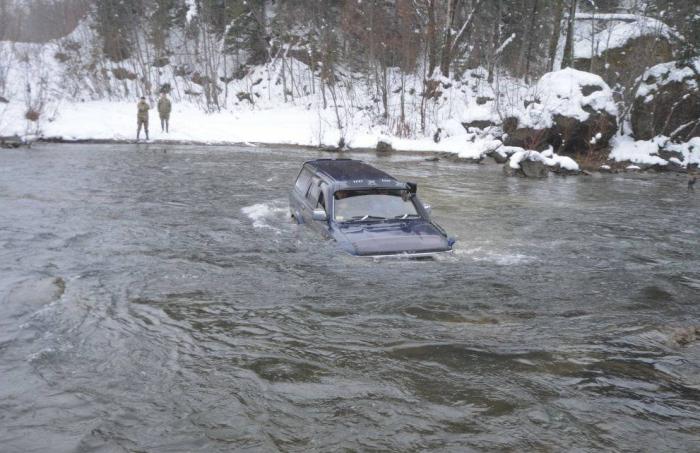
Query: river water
x,y
159,299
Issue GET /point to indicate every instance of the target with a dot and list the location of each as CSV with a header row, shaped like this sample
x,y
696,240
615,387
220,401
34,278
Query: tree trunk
x,y
530,33
447,45
556,34
495,40
568,60
432,43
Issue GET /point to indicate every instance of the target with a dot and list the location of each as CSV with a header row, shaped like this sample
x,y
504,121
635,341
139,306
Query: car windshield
x,y
369,205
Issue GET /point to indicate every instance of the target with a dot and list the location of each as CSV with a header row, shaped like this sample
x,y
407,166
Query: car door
x,y
310,200
297,197
315,199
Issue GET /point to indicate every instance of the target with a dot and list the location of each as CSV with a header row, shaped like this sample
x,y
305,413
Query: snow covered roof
x,y
589,39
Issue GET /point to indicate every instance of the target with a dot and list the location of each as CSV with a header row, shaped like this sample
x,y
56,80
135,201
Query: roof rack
x,y
348,169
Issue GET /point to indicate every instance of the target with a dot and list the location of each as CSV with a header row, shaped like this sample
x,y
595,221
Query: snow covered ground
x,y
290,124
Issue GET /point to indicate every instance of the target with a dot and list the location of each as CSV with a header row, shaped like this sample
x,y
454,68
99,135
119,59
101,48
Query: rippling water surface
x,y
158,299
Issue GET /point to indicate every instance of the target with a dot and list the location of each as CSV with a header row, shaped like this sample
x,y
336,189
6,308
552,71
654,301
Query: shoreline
x,y
250,144
434,155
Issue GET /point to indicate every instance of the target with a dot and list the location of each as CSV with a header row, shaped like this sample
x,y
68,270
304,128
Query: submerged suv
x,y
367,211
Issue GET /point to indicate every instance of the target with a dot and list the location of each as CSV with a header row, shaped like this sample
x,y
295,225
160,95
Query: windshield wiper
x,y
362,218
407,216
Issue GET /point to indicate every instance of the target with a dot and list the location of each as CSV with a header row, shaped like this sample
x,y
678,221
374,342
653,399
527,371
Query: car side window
x,y
321,198
303,181
313,192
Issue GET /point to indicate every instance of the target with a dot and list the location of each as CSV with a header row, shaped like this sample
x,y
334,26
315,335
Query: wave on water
x,y
501,259
265,215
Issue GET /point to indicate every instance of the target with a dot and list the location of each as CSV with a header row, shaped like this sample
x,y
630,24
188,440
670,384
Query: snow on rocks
x,y
503,153
534,164
619,47
659,153
667,102
622,30
574,111
575,93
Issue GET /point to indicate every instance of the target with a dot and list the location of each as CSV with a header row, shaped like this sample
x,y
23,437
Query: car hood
x,y
387,238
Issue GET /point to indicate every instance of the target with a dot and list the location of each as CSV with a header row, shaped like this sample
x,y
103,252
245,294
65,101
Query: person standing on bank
x,y
142,117
164,108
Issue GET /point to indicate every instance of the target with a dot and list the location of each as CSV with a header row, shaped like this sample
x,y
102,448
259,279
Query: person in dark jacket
x,y
164,108
142,117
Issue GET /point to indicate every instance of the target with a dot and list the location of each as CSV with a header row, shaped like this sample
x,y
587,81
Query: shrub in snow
x,y
123,74
574,112
384,145
32,115
667,102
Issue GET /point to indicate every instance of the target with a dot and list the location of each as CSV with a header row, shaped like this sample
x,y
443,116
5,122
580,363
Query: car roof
x,y
348,170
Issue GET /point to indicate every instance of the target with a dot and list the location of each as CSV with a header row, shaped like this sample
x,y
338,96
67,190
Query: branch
x,y
466,24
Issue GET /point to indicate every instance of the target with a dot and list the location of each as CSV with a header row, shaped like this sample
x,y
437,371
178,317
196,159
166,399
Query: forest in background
x,y
401,54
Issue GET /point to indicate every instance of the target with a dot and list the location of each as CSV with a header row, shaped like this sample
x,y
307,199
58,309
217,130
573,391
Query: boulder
x,y
534,169
478,124
529,164
578,135
528,169
667,102
498,157
534,164
502,153
528,137
384,146
563,170
10,142
576,113
623,50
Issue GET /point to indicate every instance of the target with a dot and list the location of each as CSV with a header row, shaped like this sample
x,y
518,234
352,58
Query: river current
x,y
158,299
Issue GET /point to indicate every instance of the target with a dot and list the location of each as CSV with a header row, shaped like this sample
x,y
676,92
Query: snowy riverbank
x,y
105,121
289,125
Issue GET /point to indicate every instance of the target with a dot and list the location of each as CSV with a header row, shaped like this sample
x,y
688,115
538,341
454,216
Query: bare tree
x,y
568,60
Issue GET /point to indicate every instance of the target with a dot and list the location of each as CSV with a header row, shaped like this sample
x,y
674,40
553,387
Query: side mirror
x,y
428,208
320,215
